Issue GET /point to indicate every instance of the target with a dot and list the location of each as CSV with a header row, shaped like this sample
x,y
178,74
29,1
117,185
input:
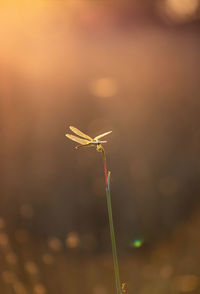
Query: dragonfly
x,y
87,141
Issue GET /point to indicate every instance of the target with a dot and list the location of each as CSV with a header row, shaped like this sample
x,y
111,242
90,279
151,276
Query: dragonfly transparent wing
x,y
77,139
102,135
79,133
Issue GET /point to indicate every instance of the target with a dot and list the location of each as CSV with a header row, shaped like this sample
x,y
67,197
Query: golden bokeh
x,y
72,240
19,288
186,283
4,240
39,289
181,9
104,87
9,276
55,244
48,258
31,267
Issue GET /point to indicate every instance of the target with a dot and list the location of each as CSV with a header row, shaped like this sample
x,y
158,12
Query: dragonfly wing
x,y
77,139
83,145
79,133
102,135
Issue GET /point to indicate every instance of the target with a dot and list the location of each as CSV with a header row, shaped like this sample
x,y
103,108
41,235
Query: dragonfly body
x,y
98,142
86,140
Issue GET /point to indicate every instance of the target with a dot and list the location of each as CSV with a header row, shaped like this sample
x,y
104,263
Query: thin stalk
x,y
112,232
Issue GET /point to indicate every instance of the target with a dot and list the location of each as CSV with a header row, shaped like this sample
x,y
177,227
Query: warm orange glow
x,y
181,9
9,276
39,289
186,283
55,244
31,267
72,240
48,259
99,65
104,87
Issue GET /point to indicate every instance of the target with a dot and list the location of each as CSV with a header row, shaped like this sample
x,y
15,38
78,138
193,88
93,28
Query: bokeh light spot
x,y
39,289
3,240
55,244
183,6
31,267
186,283
181,9
137,243
104,87
19,288
48,258
72,240
8,277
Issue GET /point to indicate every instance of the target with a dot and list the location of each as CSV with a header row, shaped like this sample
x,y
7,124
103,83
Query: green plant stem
x,y
112,233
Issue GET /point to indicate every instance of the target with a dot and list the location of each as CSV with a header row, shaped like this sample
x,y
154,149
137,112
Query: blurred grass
x,y
170,266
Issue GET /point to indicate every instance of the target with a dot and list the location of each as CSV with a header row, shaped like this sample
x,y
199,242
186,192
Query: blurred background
x,y
128,66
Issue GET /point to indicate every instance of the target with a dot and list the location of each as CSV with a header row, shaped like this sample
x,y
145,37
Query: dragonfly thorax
x,y
96,142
